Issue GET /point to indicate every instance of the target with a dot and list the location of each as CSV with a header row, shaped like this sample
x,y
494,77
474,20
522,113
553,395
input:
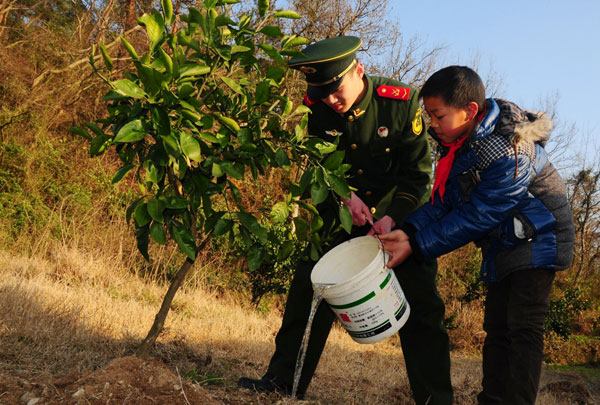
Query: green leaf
x,y
185,240
81,132
279,212
282,158
263,6
251,223
285,250
234,85
272,52
325,147
155,209
255,257
309,207
190,146
130,49
141,235
141,215
228,122
167,8
286,14
133,131
318,193
305,179
240,48
272,31
166,59
316,223
107,60
301,229
100,144
222,227
346,218
276,73
193,70
128,88
121,173
232,170
314,252
334,160
262,92
217,170
295,41
302,109
157,232
154,27
339,186
176,203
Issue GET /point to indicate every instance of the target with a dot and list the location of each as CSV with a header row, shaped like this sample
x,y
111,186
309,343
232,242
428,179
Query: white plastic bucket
x,y
364,294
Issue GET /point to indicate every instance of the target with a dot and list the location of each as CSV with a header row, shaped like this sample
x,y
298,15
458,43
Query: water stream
x,y
317,297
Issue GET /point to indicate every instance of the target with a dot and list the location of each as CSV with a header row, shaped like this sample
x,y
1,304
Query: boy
x,y
494,185
378,123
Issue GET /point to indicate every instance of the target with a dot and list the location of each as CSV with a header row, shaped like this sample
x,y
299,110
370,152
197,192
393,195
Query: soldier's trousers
x,y
424,340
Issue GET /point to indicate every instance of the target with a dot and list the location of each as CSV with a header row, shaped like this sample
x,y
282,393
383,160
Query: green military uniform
x,y
385,141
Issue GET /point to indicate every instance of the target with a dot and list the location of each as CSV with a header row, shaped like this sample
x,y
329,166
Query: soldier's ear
x,y
359,69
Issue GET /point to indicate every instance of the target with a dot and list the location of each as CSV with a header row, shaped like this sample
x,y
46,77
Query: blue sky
x,y
540,48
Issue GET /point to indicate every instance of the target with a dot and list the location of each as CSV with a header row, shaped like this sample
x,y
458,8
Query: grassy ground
x,y
74,312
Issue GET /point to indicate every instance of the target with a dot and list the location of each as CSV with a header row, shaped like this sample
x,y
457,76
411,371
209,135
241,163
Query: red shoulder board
x,y
309,101
398,93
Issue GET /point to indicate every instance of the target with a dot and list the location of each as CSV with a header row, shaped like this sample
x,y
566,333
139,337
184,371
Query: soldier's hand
x,y
384,225
397,245
359,210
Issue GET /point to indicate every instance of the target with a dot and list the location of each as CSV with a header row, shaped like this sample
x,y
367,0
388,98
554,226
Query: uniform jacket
x,y
503,193
385,142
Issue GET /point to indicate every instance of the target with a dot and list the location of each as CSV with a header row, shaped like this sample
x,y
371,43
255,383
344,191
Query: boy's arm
x,y
494,197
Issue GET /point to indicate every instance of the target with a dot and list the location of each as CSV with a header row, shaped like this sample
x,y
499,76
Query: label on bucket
x,y
373,313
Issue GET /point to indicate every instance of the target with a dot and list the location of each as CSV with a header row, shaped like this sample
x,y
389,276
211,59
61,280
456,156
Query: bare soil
x,y
130,380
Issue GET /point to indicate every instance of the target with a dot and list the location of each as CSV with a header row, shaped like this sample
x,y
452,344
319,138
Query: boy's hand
x,y
384,225
359,210
397,245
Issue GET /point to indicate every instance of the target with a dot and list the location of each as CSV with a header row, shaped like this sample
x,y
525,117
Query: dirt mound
x,y
127,380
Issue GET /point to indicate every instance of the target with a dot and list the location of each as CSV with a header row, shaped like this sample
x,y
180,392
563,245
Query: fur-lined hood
x,y
519,125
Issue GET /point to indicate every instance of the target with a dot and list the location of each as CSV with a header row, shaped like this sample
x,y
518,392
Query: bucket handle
x,y
386,256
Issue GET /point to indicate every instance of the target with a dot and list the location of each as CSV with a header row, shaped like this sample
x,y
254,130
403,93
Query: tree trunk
x,y
159,320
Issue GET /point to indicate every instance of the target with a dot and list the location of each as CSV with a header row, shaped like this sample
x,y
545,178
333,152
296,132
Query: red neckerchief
x,y
442,170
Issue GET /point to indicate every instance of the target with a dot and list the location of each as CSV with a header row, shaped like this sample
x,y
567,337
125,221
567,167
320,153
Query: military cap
x,y
325,62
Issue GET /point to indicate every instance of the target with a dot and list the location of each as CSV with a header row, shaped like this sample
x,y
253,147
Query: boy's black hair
x,y
456,85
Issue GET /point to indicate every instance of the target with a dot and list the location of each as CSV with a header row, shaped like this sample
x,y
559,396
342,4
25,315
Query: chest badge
x,y
382,132
333,132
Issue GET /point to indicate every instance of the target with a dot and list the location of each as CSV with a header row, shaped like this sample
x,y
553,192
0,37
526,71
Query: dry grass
x,y
75,311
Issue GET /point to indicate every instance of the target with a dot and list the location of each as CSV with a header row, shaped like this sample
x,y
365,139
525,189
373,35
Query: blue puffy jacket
x,y
503,193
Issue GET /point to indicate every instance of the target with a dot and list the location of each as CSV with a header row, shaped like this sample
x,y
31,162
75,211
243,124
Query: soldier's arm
x,y
413,178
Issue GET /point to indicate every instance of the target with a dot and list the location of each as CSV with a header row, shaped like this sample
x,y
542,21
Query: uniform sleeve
x,y
413,158
492,200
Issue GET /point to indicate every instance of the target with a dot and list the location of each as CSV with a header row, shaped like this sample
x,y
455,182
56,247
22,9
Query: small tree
x,y
203,110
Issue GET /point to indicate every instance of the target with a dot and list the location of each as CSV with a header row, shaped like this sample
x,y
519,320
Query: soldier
x,y
379,125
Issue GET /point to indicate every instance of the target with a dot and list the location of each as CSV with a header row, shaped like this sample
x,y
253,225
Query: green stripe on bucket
x,y
368,330
387,280
400,309
355,303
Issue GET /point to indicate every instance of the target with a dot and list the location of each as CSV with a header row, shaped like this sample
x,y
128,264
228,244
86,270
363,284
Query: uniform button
x,y
351,118
360,171
387,150
354,146
368,193
373,210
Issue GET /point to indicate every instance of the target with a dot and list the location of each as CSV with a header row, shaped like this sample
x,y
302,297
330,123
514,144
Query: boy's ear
x,y
472,110
360,70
